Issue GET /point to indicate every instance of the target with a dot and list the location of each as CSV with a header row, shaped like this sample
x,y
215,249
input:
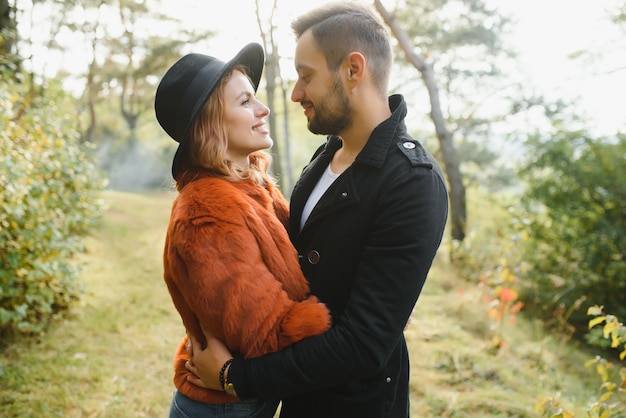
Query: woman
x,y
228,261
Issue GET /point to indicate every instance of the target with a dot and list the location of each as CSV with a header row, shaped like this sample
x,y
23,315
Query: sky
x,y
548,31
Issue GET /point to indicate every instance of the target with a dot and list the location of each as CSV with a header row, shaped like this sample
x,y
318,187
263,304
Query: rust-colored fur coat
x,y
229,264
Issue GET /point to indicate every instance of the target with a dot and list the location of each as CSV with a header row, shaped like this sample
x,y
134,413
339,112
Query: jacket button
x,y
388,380
408,145
313,257
344,195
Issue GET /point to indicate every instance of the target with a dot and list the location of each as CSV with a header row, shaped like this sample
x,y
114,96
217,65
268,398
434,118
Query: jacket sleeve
x,y
220,279
406,234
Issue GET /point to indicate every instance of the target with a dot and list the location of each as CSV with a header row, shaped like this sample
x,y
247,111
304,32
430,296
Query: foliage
x,y
551,407
612,328
489,258
486,241
499,291
574,215
611,399
49,192
619,14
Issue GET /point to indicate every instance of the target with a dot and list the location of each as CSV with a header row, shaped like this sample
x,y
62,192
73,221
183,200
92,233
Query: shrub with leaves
x,y
574,209
50,196
610,399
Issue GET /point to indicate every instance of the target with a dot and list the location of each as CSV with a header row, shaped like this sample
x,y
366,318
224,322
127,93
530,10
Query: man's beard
x,y
333,114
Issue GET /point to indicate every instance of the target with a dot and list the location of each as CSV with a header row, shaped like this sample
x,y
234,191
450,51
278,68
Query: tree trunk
x,y
90,89
275,81
270,87
458,211
8,27
288,182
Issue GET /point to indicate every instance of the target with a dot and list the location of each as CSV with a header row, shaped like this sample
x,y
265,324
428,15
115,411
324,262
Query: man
x,y
367,217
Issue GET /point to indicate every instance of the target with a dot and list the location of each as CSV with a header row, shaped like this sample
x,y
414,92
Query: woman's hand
x,y
206,363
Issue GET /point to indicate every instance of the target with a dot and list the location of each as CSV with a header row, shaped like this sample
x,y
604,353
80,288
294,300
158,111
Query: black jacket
x,y
366,250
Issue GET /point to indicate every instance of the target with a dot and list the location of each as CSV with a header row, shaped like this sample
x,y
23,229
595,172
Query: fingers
x,y
193,378
190,366
205,362
196,381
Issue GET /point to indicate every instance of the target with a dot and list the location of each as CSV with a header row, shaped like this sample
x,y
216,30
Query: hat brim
x,y
252,58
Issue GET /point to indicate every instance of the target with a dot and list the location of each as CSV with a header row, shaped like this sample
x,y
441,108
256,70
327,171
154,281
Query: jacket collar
x,y
375,150
374,153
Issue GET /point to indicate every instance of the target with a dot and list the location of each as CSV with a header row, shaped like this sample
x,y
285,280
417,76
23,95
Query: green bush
x,y
49,194
574,209
608,400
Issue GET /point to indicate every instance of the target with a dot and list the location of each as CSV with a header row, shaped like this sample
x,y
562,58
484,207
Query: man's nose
x,y
297,94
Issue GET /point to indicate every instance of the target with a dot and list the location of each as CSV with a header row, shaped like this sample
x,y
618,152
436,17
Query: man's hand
x,y
206,364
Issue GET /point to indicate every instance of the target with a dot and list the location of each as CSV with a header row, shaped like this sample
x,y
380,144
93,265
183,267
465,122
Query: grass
x,y
111,355
456,373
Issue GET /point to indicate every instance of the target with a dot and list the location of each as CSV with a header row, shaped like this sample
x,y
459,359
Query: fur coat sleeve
x,y
229,264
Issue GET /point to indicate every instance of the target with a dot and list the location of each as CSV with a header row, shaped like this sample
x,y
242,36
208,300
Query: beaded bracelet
x,y
222,370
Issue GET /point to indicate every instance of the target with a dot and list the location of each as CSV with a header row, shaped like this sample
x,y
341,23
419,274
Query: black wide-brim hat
x,y
188,84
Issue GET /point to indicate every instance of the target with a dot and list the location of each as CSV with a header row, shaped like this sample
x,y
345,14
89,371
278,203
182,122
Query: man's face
x,y
320,92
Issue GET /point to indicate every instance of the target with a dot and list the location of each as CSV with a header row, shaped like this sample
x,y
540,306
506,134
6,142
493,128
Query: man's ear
x,y
356,67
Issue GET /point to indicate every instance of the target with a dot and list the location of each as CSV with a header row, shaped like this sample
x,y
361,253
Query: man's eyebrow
x,y
300,67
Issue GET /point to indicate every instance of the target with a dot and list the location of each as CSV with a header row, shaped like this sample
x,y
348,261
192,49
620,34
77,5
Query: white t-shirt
x,y
322,185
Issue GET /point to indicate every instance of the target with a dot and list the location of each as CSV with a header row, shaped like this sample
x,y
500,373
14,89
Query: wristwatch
x,y
229,388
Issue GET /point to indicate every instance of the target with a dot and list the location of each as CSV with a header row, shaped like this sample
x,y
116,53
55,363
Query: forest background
x,y
526,121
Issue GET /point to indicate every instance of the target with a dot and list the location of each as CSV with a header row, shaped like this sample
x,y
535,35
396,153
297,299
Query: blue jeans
x,y
184,407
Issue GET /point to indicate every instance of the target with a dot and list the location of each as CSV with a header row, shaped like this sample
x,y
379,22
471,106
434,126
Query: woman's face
x,y
244,119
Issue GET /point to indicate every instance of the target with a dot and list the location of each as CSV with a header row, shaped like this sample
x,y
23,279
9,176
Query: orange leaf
x,y
508,295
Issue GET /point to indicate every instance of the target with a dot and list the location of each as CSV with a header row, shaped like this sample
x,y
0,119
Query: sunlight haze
x,y
547,33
